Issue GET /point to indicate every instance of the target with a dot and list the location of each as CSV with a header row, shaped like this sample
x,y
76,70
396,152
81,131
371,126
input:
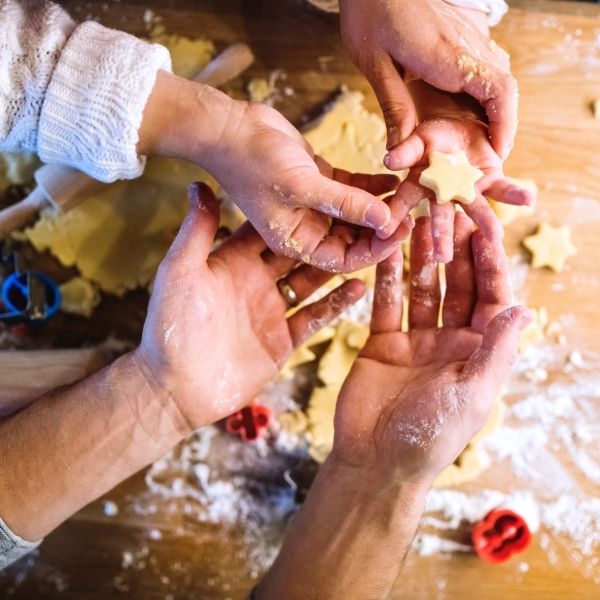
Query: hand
x,y
445,46
290,195
270,171
450,132
413,400
216,331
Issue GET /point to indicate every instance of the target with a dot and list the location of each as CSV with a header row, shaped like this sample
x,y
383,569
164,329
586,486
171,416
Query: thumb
x,y
197,232
491,363
394,99
348,203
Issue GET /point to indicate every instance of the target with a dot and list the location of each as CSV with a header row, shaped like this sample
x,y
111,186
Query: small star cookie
x,y
451,176
550,247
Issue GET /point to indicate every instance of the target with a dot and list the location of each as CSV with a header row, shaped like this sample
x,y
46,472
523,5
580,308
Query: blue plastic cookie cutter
x,y
30,296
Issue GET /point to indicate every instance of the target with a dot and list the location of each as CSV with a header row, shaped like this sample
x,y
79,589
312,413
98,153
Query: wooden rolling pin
x,y
62,187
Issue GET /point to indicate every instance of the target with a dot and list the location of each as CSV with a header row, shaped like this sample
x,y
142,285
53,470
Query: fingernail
x,y
194,194
378,216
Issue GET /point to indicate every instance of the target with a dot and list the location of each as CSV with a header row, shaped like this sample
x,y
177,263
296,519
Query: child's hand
x,y
445,46
217,331
449,134
270,171
290,196
413,400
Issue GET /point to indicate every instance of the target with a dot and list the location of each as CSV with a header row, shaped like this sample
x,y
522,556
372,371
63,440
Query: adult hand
x,y
449,133
216,331
445,46
414,399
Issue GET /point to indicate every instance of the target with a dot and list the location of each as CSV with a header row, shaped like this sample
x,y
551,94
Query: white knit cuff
x,y
95,102
12,547
494,9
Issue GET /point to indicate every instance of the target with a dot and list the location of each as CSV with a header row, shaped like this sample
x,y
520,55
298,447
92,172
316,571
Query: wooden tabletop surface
x,y
555,49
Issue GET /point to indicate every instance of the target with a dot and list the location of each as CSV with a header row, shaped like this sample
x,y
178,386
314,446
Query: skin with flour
x,y
209,314
409,406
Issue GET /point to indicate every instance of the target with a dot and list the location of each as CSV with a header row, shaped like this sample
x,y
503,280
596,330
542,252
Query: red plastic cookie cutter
x,y
249,422
500,535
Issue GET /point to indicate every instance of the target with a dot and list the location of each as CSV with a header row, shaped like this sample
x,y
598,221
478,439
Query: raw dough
x,y
507,213
333,369
550,247
79,297
451,176
259,90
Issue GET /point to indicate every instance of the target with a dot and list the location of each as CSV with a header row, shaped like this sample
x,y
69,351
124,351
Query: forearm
x,y
188,120
349,539
75,443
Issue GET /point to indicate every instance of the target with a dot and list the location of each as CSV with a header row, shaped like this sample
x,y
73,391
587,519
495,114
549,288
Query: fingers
x,y
394,99
336,255
378,184
485,218
442,230
494,290
245,235
407,196
459,300
197,232
424,297
305,280
490,364
406,154
497,91
504,190
308,320
387,301
347,203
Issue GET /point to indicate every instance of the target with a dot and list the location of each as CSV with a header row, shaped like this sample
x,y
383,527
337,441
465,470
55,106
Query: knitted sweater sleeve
x,y
73,93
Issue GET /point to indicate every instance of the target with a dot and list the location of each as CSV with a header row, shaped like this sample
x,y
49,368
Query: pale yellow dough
x,y
79,297
451,176
550,247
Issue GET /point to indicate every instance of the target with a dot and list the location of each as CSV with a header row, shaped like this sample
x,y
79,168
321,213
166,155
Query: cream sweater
x,y
75,94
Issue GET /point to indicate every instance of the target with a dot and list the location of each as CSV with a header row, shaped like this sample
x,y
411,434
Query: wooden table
x,y
557,146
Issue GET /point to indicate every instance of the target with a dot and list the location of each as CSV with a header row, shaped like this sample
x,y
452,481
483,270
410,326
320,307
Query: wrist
x,y
187,120
160,415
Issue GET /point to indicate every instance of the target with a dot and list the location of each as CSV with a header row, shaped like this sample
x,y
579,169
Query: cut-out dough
x,y
451,176
550,247
79,297
507,213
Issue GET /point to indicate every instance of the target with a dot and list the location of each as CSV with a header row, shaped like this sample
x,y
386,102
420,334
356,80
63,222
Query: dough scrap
x,y
550,247
79,297
507,213
303,354
259,89
451,176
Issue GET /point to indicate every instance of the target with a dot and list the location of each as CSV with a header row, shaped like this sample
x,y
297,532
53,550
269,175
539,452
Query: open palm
x,y
414,399
217,331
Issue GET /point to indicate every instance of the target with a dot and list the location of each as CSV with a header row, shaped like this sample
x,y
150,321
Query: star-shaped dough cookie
x,y
451,176
550,247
